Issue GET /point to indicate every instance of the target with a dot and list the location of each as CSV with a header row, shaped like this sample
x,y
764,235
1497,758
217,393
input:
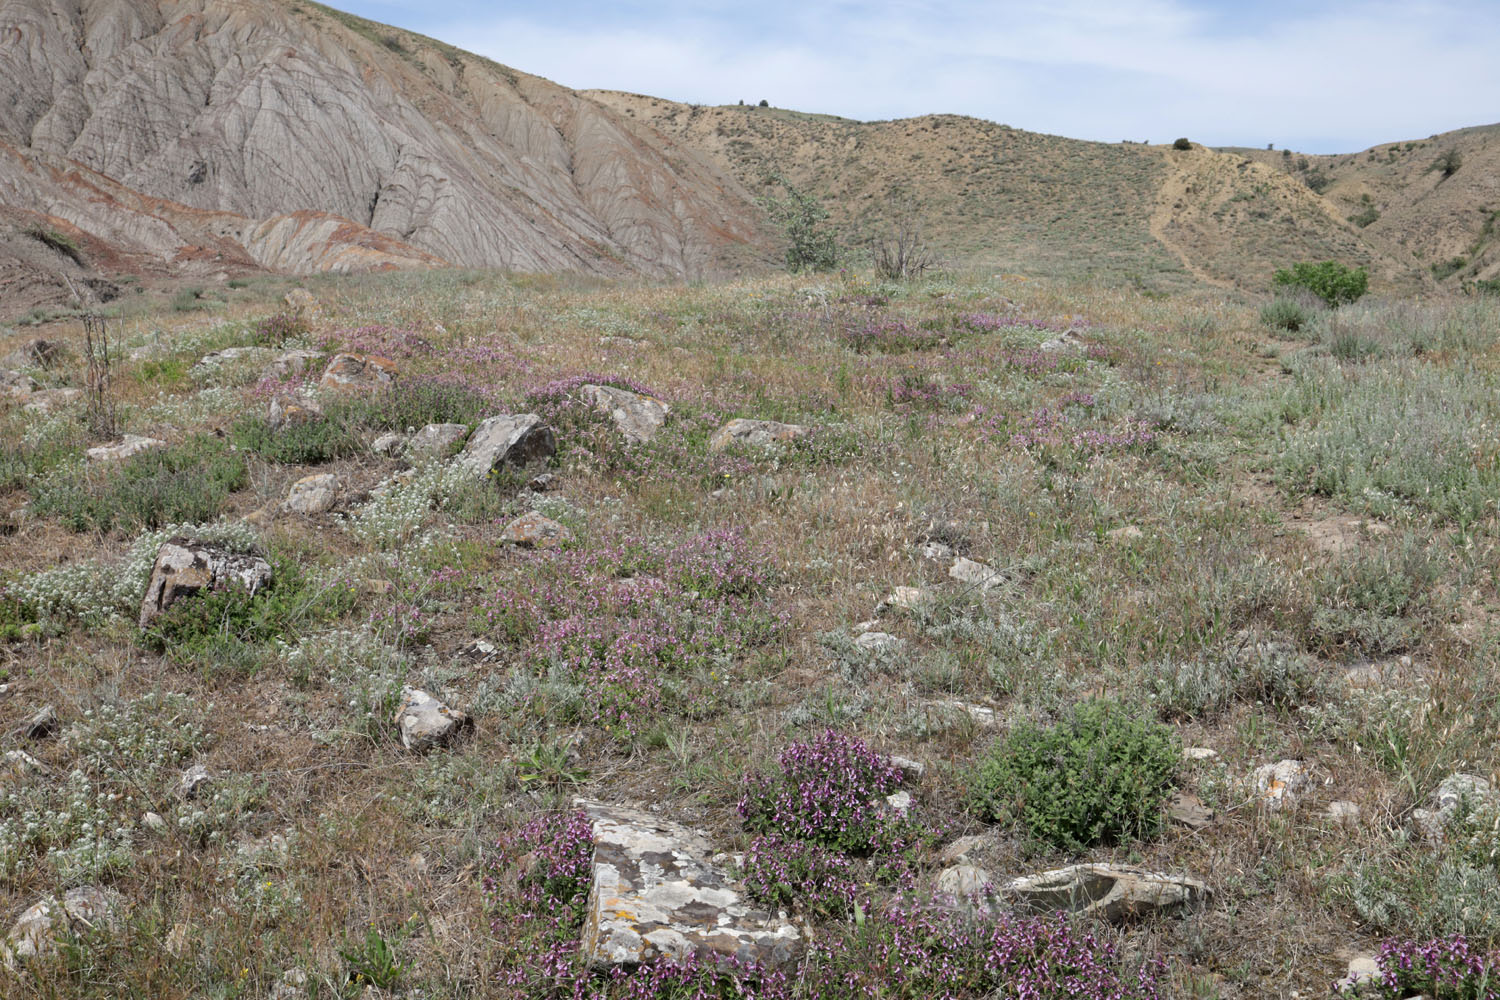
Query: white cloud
x,y
1339,78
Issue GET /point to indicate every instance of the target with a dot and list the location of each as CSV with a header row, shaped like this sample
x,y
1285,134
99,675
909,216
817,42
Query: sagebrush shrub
x,y
1101,774
1285,314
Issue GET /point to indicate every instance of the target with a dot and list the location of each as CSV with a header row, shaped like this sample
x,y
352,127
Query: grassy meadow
x,y
1272,543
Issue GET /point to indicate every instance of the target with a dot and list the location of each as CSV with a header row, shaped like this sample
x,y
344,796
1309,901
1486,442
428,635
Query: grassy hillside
x,y
1003,198
1269,545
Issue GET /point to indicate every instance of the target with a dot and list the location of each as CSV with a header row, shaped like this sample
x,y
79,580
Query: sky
x,y
1316,76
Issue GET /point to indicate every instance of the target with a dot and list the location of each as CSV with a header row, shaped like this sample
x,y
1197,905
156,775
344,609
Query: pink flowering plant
x,y
1442,969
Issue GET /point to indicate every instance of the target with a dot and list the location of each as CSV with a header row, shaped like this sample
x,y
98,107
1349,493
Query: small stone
x,y
540,484
315,494
636,416
913,769
426,722
532,529
480,649
973,573
286,410
1188,810
756,433
358,371
880,643
960,849
42,724
982,716
1125,533
81,910
1198,753
388,444
905,598
436,440
936,551
1069,340
1342,812
1279,785
899,802
154,822
963,880
192,780
507,439
18,764
131,444
46,400
1362,969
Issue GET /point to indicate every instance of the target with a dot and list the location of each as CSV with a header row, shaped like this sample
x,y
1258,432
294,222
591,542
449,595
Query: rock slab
x,y
655,894
1112,892
358,371
130,445
315,494
532,530
185,566
758,433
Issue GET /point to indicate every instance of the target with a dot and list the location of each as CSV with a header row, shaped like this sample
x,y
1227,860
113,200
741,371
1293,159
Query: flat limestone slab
x,y
655,895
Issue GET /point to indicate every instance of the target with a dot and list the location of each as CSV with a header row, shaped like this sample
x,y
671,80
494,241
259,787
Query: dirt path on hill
x,y
1173,190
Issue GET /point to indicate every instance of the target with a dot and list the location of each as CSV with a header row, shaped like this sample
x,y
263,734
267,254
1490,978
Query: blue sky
x,y
1315,76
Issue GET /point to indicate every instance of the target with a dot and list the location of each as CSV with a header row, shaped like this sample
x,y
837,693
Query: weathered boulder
x,y
656,894
388,444
1113,892
287,410
986,717
436,440
531,530
226,355
425,722
507,439
303,303
759,433
636,416
358,371
192,780
903,598
81,910
186,566
315,494
1188,810
131,444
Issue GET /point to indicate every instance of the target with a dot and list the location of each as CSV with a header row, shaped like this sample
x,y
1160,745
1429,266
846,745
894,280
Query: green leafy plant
x,y
1334,283
1183,143
1101,774
811,245
373,961
309,443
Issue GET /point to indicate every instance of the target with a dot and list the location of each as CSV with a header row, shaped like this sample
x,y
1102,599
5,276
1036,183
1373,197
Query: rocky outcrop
x,y
358,371
655,894
130,445
532,530
507,439
636,416
185,567
315,494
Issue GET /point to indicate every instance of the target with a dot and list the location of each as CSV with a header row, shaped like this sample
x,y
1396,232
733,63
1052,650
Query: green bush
x,y
214,627
1101,774
811,246
1285,314
1447,268
1183,143
188,482
1330,281
296,444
